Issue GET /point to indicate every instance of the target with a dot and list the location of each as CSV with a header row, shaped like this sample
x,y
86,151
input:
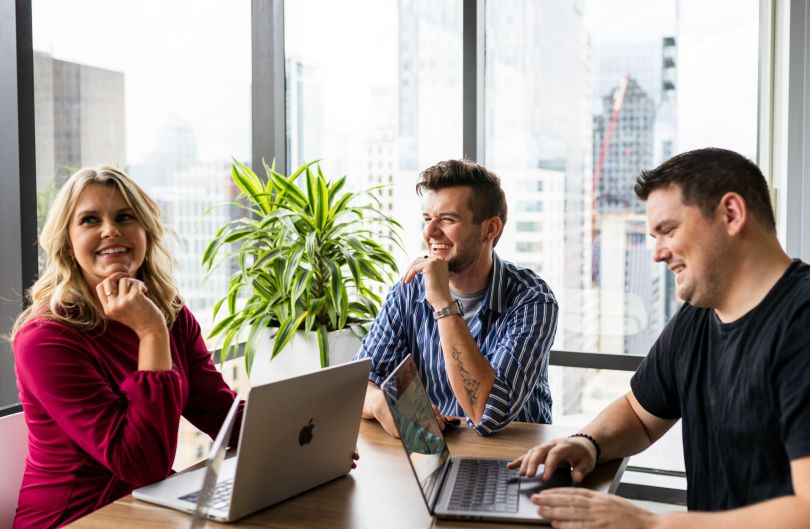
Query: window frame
x,y
783,119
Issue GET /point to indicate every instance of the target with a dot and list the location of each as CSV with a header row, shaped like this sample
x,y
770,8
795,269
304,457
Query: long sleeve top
x,y
513,328
98,427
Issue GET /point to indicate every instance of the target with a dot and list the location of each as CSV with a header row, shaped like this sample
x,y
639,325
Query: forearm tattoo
x,y
470,384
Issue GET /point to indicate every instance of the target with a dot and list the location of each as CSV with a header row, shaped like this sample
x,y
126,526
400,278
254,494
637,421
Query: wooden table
x,y
381,492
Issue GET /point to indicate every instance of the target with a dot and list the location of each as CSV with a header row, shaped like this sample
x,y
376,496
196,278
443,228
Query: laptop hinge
x,y
440,487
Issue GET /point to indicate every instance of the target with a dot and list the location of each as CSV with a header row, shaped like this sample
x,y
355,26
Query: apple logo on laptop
x,y
306,434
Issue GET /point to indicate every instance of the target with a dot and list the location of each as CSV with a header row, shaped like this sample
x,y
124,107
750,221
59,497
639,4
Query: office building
x,y
79,118
304,113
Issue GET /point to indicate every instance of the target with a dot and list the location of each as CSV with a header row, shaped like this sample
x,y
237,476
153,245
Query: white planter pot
x,y
300,356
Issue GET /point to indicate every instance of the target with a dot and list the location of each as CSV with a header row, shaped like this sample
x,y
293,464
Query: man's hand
x,y
577,452
583,509
436,274
375,407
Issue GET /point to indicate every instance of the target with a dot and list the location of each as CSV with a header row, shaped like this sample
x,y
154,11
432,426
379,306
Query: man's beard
x,y
468,253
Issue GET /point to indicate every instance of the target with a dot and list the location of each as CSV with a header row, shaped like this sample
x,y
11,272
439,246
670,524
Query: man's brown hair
x,y
487,199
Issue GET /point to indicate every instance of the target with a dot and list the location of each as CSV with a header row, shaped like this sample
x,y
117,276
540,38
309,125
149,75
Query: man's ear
x,y
493,225
733,212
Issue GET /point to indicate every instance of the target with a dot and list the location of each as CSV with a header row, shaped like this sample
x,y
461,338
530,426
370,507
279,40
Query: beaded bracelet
x,y
591,439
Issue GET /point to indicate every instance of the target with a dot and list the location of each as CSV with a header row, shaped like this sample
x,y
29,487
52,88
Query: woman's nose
x,y
109,229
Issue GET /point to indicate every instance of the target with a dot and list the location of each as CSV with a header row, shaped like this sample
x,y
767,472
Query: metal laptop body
x,y
296,434
435,469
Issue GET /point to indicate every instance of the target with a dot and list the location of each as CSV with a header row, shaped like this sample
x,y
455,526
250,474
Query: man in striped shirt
x,y
479,328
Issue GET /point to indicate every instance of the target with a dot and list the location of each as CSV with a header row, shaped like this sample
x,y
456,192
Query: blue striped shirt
x,y
513,328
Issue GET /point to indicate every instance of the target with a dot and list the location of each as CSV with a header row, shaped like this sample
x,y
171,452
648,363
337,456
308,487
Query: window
x,y
382,101
579,97
531,226
529,247
170,111
554,69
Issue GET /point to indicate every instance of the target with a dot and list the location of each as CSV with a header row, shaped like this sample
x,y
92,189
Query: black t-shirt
x,y
742,390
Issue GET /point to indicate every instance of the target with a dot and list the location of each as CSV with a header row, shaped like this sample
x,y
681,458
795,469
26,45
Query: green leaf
x,y
222,325
238,235
322,201
353,267
245,179
286,332
335,187
343,313
312,194
299,287
290,190
256,329
323,346
291,269
334,280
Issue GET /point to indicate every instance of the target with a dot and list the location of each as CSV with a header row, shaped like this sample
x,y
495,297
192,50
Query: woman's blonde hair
x,y
61,292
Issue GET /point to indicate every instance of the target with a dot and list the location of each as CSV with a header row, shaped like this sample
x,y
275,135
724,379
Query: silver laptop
x,y
295,435
458,487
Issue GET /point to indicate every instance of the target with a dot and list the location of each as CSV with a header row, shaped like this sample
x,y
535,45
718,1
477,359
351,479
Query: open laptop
x,y
296,434
458,487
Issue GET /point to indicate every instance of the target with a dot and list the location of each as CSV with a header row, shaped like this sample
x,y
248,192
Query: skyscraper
x,y
634,128
304,112
78,118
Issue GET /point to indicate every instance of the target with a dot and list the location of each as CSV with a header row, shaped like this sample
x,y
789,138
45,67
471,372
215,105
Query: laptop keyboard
x,y
483,485
220,498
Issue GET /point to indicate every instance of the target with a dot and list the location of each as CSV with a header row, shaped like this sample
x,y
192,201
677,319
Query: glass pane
x,y
162,90
580,394
582,95
377,101
159,89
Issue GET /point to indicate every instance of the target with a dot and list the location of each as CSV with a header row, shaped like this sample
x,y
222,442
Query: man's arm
x,y
623,429
375,407
470,374
585,508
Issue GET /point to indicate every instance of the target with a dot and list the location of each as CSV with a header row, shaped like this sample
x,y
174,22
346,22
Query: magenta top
x,y
98,427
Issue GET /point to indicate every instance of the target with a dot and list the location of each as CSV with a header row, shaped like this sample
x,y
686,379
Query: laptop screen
x,y
215,458
417,425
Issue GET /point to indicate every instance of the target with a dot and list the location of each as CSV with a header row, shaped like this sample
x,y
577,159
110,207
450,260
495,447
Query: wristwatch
x,y
453,308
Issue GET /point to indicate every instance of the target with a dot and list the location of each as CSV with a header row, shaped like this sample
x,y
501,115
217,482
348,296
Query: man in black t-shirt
x,y
733,364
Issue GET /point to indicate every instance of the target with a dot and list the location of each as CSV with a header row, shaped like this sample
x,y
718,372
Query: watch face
x,y
453,308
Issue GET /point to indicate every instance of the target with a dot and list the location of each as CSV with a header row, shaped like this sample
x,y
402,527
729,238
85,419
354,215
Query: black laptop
x,y
458,487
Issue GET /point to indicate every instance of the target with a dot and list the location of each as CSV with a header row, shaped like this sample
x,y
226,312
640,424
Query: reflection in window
x,y
529,227
170,111
579,98
149,110
529,246
529,206
385,111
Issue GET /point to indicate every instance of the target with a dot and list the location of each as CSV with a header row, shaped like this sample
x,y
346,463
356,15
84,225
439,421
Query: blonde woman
x,y
107,357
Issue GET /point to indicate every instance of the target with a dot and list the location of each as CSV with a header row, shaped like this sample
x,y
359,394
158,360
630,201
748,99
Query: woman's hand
x,y
124,300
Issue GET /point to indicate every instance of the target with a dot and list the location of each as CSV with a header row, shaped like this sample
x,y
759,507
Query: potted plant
x,y
306,257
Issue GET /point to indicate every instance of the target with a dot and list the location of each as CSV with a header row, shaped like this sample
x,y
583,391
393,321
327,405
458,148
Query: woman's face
x,y
105,235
